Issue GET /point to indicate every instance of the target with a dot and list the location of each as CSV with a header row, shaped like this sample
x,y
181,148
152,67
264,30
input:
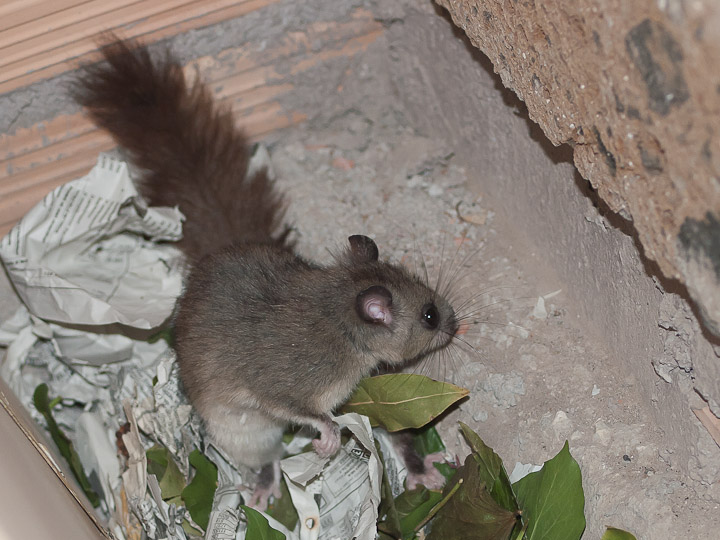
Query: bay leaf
x,y
427,441
161,464
44,406
258,527
412,507
388,522
471,513
552,499
491,470
198,494
402,400
617,534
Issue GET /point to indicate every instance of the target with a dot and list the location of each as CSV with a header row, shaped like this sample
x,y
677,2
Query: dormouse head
x,y
399,317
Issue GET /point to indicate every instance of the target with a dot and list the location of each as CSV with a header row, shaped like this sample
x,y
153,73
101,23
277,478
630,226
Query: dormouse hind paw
x,y
268,485
329,442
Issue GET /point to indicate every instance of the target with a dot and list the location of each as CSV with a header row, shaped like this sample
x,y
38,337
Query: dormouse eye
x,y
430,316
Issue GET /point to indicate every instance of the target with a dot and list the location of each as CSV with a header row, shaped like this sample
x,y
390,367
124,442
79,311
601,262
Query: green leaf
x,y
446,469
67,450
258,527
191,531
282,509
518,533
491,470
166,333
552,499
471,513
402,400
427,441
161,464
198,494
617,534
388,520
413,506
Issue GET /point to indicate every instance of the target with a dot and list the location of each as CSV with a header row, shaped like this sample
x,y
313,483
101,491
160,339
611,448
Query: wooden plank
x,y
16,47
257,96
351,47
68,56
48,154
41,135
16,12
46,26
224,73
263,119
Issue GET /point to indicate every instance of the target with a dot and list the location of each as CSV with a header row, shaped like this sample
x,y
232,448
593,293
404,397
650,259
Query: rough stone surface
x,y
635,88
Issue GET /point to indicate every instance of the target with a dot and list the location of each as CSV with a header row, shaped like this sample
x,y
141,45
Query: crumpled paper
x,y
89,253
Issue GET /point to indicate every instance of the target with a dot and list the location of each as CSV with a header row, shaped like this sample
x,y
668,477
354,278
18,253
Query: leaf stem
x,y
435,509
54,403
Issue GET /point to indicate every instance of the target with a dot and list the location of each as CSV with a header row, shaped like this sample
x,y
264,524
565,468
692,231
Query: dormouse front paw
x,y
329,442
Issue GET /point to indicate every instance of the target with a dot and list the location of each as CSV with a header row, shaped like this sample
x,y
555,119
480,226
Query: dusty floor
x,y
537,379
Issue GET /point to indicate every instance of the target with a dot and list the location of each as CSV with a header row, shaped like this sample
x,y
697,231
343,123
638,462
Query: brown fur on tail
x,y
188,149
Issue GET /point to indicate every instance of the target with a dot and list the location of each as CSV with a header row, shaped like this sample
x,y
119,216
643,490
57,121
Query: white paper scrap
x,y
521,470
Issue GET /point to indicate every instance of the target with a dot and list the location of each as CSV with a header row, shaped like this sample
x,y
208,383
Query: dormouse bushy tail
x,y
188,150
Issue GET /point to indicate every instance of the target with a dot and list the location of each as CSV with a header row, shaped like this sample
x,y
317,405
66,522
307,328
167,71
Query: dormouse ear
x,y
363,249
373,305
